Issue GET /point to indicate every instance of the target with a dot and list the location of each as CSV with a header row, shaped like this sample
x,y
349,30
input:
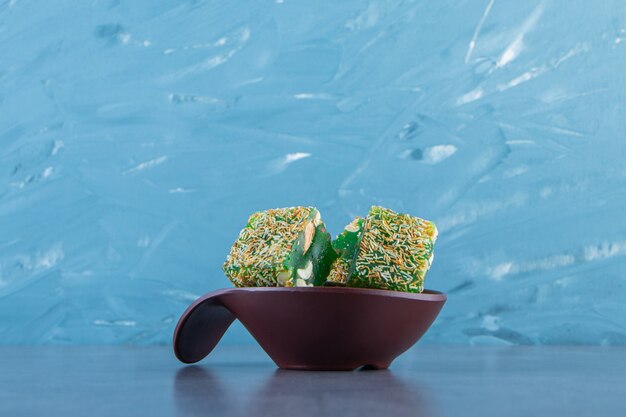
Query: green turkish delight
x,y
386,250
286,247
345,245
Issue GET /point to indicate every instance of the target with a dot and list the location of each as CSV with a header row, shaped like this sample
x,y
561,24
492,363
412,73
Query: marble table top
x,y
426,381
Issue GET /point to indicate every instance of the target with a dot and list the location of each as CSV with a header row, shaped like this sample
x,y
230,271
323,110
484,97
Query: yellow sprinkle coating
x,y
395,251
339,271
257,256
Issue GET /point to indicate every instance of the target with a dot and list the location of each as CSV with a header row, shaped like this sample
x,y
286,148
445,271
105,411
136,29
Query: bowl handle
x,y
201,327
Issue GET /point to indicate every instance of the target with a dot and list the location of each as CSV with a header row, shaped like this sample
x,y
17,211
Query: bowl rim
x,y
426,295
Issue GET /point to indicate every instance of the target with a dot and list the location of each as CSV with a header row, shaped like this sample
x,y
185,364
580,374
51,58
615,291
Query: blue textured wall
x,y
136,137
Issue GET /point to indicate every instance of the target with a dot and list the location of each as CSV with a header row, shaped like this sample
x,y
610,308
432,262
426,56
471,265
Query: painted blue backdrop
x,y
136,137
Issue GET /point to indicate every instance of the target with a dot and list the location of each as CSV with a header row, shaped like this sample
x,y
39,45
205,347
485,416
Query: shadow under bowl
x,y
314,328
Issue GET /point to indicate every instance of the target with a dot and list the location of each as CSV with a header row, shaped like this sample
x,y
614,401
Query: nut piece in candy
x,y
309,233
305,273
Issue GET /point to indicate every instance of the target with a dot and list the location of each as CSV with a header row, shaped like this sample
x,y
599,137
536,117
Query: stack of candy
x,y
291,247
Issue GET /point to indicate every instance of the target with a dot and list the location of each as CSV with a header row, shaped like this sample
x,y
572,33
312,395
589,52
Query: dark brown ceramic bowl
x,y
315,328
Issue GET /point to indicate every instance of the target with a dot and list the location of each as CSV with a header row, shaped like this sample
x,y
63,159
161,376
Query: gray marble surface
x,y
427,381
